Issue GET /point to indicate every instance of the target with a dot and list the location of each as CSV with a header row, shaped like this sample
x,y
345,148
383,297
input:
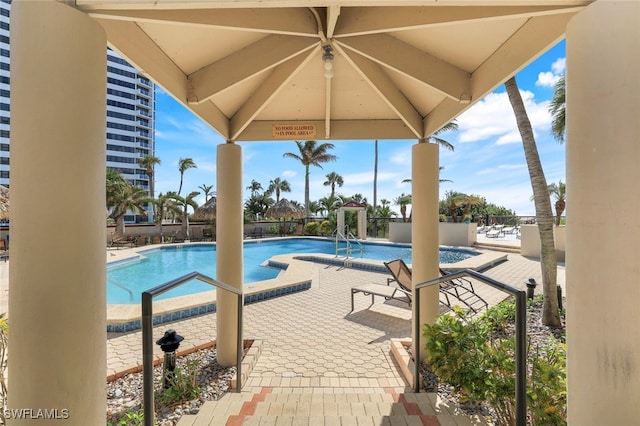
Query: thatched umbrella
x,y
283,210
4,202
207,211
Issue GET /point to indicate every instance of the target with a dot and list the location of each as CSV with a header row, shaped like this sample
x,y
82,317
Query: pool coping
x,y
296,275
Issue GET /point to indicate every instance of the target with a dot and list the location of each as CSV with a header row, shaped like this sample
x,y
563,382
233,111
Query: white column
x,y
57,300
362,224
424,232
603,232
340,223
229,237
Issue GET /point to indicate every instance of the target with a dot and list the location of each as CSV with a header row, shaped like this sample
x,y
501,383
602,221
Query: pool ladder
x,y
352,244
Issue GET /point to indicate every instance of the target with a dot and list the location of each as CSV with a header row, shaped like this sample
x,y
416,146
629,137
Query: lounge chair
x,y
462,289
459,288
256,232
207,234
4,251
494,233
118,241
509,230
389,292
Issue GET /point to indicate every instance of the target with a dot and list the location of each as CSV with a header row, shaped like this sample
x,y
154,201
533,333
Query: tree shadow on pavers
x,y
392,326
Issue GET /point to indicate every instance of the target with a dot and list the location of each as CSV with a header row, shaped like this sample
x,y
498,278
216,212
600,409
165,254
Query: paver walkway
x,y
312,343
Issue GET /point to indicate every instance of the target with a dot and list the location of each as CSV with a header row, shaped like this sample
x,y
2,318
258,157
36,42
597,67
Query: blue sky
x,y
488,159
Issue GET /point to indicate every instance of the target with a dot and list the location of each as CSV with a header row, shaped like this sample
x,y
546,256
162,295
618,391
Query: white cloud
x,y
492,119
501,168
547,79
289,174
559,65
550,78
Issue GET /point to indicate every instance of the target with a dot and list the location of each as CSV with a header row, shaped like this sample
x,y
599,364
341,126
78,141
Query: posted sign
x,y
294,131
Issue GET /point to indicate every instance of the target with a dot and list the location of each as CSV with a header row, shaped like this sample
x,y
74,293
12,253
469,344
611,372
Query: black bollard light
x,y
559,290
169,343
531,286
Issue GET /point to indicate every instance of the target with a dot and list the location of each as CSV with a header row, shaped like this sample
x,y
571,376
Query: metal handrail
x,y
147,335
341,237
120,286
360,248
521,334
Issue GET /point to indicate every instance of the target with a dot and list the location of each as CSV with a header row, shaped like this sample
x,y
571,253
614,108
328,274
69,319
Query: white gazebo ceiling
x,y
253,70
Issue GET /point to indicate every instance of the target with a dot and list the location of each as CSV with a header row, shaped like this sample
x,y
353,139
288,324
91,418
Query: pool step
x,y
298,406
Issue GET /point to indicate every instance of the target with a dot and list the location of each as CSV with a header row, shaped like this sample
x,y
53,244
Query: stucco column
x,y
57,297
603,232
229,237
424,232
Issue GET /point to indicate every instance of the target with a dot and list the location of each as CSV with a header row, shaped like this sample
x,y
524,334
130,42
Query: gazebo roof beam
x,y
333,12
414,63
280,76
243,64
386,89
531,40
372,20
151,60
286,21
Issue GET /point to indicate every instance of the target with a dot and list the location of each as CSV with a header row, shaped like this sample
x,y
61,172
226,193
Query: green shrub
x,y
182,385
130,418
477,359
498,317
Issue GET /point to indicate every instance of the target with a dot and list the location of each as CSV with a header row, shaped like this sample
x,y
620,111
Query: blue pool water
x,y
164,264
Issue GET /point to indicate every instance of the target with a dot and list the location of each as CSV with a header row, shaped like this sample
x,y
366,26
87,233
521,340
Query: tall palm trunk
x,y
560,206
306,192
375,176
544,215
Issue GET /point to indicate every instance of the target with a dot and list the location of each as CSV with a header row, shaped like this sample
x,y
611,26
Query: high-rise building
x,y
130,115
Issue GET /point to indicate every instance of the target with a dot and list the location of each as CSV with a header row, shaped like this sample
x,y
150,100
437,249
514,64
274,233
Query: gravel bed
x,y
125,394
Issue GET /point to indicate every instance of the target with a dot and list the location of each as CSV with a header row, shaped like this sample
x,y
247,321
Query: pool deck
x,y
296,276
315,361
316,355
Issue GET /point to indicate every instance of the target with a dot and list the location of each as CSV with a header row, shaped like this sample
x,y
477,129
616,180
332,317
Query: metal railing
x,y
348,248
147,335
521,334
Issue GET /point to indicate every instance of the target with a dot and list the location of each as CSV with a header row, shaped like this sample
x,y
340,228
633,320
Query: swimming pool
x,y
159,265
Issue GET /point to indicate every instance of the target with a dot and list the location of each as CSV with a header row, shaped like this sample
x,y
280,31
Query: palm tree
x,y
277,185
454,202
207,190
451,126
333,179
557,108
123,197
560,192
183,204
470,201
310,154
183,165
257,205
544,216
403,200
148,162
254,187
115,183
163,204
314,207
330,203
439,180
